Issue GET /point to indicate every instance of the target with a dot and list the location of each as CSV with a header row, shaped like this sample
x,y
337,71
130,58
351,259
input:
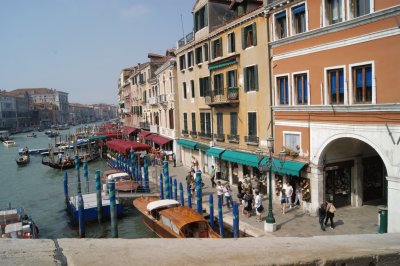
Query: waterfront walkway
x,y
296,222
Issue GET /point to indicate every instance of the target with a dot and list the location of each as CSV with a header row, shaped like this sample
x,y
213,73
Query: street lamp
x,y
270,225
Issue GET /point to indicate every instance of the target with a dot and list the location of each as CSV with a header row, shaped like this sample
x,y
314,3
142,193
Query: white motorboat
x,y
9,143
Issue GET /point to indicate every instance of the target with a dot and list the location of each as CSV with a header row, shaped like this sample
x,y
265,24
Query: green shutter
x,y
256,77
243,39
254,34
245,79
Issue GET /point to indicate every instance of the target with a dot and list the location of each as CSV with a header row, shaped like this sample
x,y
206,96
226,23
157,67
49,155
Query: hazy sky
x,y
80,46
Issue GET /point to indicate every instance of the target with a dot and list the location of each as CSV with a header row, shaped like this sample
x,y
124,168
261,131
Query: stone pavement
x,y
295,223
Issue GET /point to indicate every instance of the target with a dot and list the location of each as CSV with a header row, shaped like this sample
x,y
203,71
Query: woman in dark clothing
x,y
240,191
248,198
322,215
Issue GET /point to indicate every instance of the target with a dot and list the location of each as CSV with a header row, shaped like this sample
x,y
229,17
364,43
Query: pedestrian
x,y
240,191
189,178
220,192
213,184
60,156
174,158
228,195
330,213
298,193
322,215
255,185
289,194
283,200
248,198
258,206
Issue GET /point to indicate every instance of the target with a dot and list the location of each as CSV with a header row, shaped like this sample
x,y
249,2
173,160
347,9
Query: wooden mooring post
x,y
220,218
211,201
189,193
81,214
199,193
113,211
78,183
98,197
166,178
161,187
235,211
66,197
181,197
175,189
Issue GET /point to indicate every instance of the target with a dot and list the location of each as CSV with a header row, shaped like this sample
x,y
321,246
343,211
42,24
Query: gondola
x,y
23,160
67,163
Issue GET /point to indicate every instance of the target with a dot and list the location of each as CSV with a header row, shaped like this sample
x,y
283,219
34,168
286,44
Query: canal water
x,y
39,189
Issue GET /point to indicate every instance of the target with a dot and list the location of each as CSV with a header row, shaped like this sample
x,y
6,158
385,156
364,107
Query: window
x,y
301,88
249,36
217,48
234,123
219,84
171,118
192,87
280,25
292,141
184,90
200,18
182,62
299,19
362,84
220,123
231,79
205,52
185,122
333,11
252,124
204,84
360,7
251,78
283,90
190,59
231,42
208,123
205,123
336,86
194,122
199,55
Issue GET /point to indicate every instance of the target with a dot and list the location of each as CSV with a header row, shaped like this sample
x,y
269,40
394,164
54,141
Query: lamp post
x,y
270,225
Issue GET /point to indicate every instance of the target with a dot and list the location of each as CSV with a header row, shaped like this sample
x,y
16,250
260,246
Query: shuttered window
x,y
194,122
252,124
249,36
251,78
220,123
234,123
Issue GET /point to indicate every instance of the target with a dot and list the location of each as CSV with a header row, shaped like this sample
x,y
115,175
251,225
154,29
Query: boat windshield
x,y
196,230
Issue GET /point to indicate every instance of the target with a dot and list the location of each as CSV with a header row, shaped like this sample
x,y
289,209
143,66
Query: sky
x,y
80,46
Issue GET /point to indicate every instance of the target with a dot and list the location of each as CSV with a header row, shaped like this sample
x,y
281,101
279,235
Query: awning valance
x,y
221,64
160,140
288,168
144,133
202,147
128,130
124,146
240,157
187,144
214,152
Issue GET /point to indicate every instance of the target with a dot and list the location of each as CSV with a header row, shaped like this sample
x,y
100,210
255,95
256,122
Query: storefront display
x,y
338,185
295,181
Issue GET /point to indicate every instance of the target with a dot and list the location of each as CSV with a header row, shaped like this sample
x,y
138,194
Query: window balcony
x,y
251,140
185,132
204,135
233,138
193,134
219,137
224,97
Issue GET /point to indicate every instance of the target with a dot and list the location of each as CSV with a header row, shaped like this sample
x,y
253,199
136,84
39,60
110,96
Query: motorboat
x,y
9,143
23,159
123,182
15,223
168,219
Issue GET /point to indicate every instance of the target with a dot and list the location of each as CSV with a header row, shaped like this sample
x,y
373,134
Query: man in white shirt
x,y
289,193
220,192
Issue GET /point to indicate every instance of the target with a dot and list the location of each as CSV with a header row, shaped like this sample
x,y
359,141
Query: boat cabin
x,y
154,207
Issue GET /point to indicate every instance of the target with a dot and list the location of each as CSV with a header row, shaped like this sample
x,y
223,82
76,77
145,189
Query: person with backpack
x,y
322,215
330,213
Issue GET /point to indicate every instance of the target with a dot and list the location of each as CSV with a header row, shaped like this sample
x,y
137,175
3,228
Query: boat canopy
x,y
182,216
118,176
162,203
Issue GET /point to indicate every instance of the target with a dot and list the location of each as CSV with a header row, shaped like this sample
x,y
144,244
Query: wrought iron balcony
x,y
204,135
219,137
185,132
251,140
226,96
144,125
193,134
233,138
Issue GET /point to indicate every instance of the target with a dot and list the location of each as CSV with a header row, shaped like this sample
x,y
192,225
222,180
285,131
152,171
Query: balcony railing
x,y
204,135
225,96
219,137
145,125
193,134
185,40
251,140
162,98
233,138
185,132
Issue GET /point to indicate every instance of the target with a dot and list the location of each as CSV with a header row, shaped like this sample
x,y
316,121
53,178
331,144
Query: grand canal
x,y
39,189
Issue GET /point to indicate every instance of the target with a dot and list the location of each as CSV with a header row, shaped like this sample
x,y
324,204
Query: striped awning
x,y
221,64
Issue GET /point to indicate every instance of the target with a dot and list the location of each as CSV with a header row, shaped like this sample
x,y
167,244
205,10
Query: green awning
x,y
288,167
202,147
221,64
215,152
240,157
98,137
187,144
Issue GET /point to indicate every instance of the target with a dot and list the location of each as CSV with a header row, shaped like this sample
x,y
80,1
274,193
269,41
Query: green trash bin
x,y
382,219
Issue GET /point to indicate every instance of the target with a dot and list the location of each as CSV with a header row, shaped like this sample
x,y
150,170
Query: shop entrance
x,y
338,185
374,182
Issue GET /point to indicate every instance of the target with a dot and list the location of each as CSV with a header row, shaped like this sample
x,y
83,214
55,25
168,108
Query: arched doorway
x,y
354,173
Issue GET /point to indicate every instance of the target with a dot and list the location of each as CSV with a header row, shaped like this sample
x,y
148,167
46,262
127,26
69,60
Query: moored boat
x,y
9,143
23,160
15,223
67,163
168,219
123,182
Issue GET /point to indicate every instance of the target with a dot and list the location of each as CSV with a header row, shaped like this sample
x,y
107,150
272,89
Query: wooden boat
x,y
123,181
168,219
67,163
23,160
15,223
9,143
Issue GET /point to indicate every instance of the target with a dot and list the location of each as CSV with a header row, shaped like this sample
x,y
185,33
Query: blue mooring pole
x,y
235,220
132,155
175,190
181,194
98,197
146,175
170,185
113,211
86,175
166,178
66,188
211,200
220,218
161,187
199,193
81,215
189,192
76,161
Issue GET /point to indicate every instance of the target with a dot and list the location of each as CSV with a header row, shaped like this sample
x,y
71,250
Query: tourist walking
x,y
228,195
283,200
240,192
258,206
220,192
289,194
248,205
322,215
298,193
330,213
213,184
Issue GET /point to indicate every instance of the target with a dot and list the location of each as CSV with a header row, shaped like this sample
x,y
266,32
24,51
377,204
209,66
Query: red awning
x,y
128,130
124,146
160,140
150,136
144,133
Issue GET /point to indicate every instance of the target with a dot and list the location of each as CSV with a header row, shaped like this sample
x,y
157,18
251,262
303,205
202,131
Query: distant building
x,y
8,111
81,113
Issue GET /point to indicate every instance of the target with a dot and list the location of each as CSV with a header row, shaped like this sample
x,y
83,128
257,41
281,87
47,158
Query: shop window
x,y
333,11
362,84
280,25
360,8
199,55
219,84
249,36
301,88
299,184
336,86
251,78
231,43
299,18
217,48
338,184
283,90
